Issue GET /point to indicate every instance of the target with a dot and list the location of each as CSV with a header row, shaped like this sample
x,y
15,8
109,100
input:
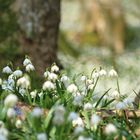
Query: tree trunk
x,y
39,23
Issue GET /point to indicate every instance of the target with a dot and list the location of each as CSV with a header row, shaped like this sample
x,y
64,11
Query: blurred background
x,y
76,34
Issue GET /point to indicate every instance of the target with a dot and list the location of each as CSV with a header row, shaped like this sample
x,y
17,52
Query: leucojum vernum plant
x,y
65,108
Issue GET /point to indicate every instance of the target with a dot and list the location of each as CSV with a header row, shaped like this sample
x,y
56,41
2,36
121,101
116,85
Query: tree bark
x,y
39,24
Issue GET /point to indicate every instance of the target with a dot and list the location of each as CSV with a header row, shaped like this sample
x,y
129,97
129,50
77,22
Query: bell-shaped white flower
x,y
87,106
10,100
52,76
26,62
23,82
83,78
95,74
78,100
58,118
64,79
72,116
84,138
89,82
110,129
17,73
37,112
33,94
4,133
30,68
78,130
54,68
46,74
90,87
115,94
72,88
78,122
102,72
41,136
95,120
48,85
120,106
112,73
7,70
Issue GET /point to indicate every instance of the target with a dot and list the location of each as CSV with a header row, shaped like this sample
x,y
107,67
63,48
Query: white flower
x,y
48,85
112,73
59,110
58,118
102,72
52,76
64,78
110,128
83,138
120,105
1,124
26,62
17,73
46,74
4,132
41,136
78,130
83,78
89,82
95,75
22,91
33,94
76,94
10,100
78,100
72,116
115,94
2,137
72,88
78,122
87,106
54,68
37,112
7,70
0,81
95,120
23,82
128,101
18,123
11,113
90,87
40,94
30,67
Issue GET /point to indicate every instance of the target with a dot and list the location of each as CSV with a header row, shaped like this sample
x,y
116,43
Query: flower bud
x,y
18,124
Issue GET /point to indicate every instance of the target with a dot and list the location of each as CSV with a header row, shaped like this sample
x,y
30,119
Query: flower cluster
x,y
63,108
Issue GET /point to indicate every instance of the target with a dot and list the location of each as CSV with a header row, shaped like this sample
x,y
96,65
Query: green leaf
x,y
101,98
